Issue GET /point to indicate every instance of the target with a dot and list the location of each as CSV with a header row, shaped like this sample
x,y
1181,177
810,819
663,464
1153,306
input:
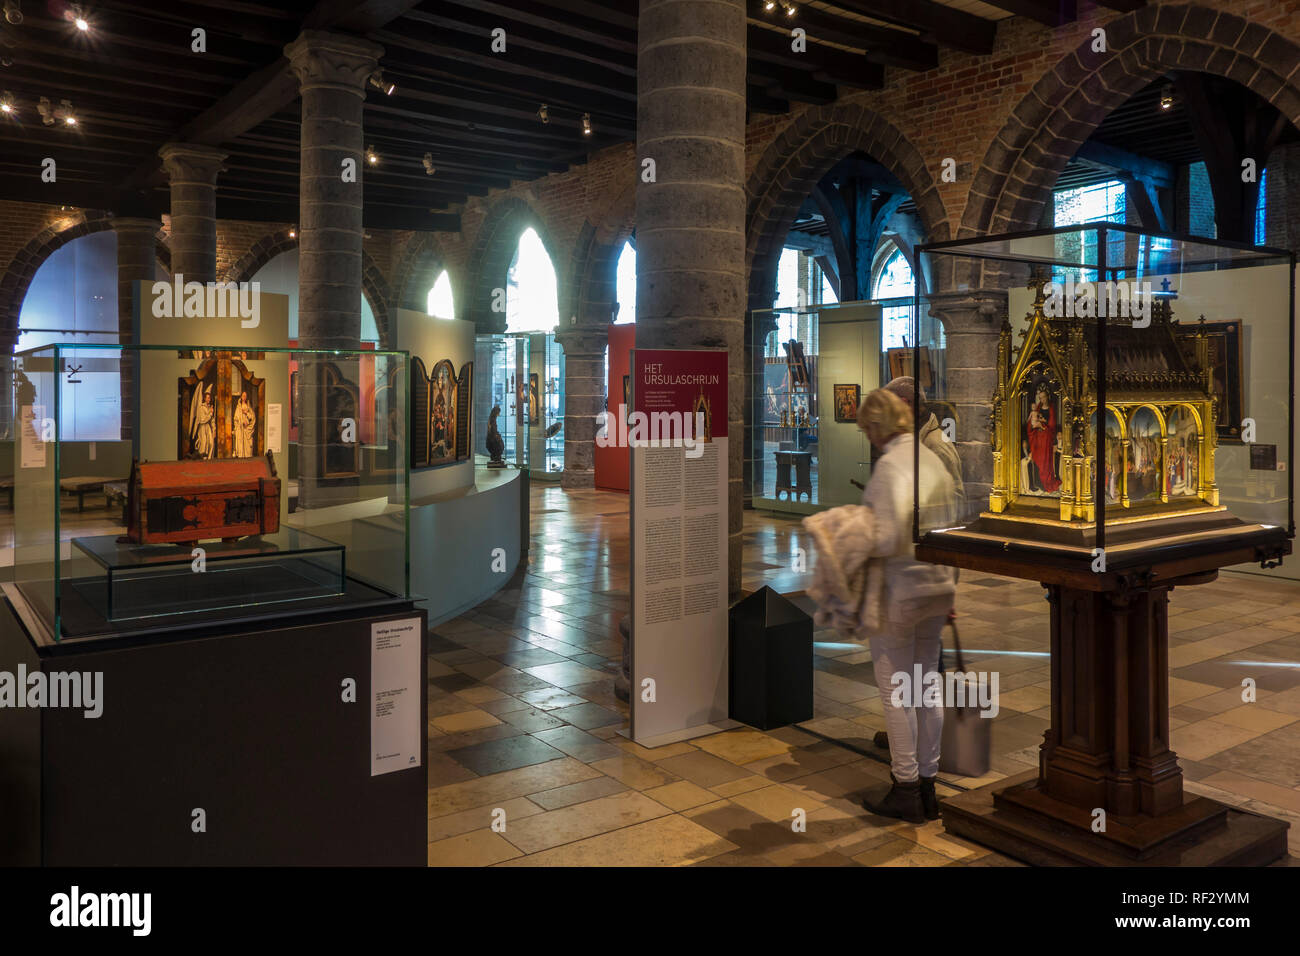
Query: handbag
x,y
966,744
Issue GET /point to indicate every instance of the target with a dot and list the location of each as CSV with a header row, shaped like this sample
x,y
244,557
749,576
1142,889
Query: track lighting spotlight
x,y
378,82
586,124
65,113
1167,98
82,24
789,9
544,114
429,168
45,110
769,5
371,156
7,104
13,12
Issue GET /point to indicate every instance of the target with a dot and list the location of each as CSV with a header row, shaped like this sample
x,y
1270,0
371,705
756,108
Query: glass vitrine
x,y
1110,390
156,486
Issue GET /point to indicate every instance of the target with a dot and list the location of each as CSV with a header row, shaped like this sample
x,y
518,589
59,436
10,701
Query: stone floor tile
x,y
477,848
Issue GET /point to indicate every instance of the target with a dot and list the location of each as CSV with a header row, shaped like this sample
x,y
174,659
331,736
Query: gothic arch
x,y
490,255
373,284
1066,105
796,161
29,259
421,262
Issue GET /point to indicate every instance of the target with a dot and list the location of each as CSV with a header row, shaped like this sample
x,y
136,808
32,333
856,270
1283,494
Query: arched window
x,y
280,276
625,285
894,281
441,305
532,303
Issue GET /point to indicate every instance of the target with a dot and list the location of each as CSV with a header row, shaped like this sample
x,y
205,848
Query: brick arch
x,y
421,262
373,284
29,259
493,248
798,159
1069,101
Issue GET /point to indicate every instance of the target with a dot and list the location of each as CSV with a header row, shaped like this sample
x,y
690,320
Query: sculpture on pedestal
x,y
496,445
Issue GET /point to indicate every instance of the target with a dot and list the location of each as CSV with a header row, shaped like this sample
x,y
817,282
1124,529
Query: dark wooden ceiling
x,y
135,83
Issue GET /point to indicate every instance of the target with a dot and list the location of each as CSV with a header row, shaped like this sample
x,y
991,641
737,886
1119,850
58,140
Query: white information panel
x,y
395,696
677,433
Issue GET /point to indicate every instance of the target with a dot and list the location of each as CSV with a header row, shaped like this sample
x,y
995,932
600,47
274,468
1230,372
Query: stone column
x,y
332,71
972,320
136,251
690,222
584,389
193,172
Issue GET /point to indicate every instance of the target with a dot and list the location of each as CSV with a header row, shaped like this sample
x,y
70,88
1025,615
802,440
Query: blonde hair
x,y
884,415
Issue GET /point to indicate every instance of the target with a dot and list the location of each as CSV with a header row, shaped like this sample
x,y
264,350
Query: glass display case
x,y
506,386
1111,394
553,406
812,367
235,484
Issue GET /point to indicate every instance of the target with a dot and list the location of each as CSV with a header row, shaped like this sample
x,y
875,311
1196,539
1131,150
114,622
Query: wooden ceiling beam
x,y
943,25
1050,13
882,44
837,66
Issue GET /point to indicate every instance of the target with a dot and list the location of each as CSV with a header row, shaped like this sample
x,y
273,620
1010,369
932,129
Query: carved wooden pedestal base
x,y
1109,791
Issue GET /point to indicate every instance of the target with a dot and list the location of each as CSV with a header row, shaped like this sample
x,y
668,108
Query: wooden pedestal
x,y
1106,758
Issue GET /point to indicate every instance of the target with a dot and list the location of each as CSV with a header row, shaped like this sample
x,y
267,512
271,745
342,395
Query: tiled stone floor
x,y
523,720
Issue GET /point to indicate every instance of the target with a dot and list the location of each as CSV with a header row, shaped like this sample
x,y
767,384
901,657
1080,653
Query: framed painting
x,y
1224,340
847,400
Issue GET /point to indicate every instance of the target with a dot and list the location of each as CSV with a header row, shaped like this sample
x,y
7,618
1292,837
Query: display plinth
x,y
141,581
1108,744
259,743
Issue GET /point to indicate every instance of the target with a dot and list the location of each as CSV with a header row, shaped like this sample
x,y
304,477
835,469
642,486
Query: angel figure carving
x,y
245,423
203,415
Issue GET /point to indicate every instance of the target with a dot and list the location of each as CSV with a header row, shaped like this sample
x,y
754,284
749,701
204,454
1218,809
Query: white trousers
x,y
914,731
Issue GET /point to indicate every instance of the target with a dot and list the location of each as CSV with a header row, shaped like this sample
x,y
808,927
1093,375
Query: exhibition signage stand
x,y
677,433
1106,761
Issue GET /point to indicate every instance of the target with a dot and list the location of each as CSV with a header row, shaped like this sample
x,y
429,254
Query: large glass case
x,y
812,367
237,483
506,387
1111,394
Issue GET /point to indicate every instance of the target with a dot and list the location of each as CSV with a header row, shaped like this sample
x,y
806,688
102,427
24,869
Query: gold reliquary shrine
x,y
1159,417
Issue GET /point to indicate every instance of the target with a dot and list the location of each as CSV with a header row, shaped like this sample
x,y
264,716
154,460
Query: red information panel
x,y
683,381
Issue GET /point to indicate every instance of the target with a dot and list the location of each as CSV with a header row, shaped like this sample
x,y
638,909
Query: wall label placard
x,y
395,696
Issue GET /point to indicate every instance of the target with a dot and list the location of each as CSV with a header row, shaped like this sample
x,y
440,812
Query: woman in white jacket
x,y
916,600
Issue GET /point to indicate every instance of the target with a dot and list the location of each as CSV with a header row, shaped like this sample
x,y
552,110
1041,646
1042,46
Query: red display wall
x,y
612,464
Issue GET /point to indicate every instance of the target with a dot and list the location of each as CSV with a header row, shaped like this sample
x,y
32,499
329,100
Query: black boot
x,y
929,799
881,740
903,802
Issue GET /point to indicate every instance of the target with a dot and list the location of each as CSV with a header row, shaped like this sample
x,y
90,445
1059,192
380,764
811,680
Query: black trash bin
x,y
771,661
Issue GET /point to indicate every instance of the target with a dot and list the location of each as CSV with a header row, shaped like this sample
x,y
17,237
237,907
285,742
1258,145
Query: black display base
x,y
246,723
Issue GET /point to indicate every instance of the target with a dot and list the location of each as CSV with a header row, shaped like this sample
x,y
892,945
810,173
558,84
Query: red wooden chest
x,y
186,501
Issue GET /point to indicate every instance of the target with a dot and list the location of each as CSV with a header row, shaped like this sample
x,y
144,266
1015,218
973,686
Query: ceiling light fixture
x,y
769,5
65,113
1167,98
371,156
13,12
429,168
378,82
544,114
586,124
7,103
45,110
82,24
789,9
